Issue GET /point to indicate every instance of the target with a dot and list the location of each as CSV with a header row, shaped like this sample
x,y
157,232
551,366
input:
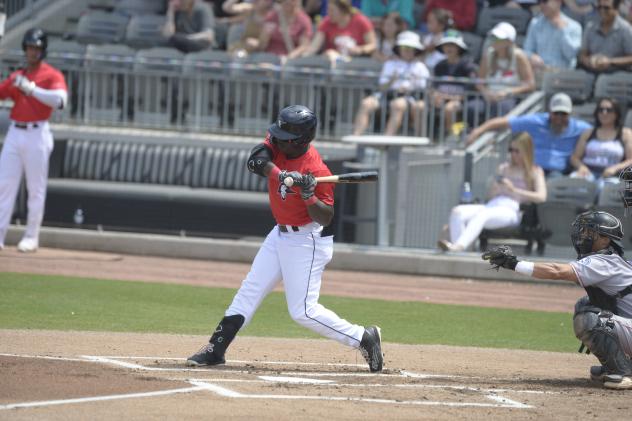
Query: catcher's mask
x,y
587,224
295,124
625,179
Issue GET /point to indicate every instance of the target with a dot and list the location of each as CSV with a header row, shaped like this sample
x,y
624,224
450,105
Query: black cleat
x,y
205,356
597,373
371,348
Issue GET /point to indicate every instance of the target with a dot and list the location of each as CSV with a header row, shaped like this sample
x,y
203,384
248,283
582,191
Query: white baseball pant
x,y
467,221
299,259
25,150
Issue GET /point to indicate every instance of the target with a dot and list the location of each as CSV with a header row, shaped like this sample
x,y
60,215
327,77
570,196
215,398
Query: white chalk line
x,y
101,398
502,401
202,384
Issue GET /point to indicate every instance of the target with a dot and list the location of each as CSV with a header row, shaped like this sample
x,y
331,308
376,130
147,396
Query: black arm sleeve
x,y
259,157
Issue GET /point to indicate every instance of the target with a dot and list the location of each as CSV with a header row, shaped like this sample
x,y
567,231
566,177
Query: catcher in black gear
x,y
602,319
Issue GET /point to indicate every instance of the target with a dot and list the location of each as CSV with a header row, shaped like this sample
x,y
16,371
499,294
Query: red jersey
x,y
358,26
285,202
27,108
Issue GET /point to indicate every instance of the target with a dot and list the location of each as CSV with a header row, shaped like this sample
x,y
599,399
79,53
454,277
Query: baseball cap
x,y
560,102
504,30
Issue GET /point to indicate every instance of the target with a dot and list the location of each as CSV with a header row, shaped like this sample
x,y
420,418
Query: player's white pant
x,y
298,258
467,221
28,151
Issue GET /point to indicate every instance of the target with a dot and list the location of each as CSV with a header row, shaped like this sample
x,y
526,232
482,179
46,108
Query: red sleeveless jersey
x,y
27,108
285,202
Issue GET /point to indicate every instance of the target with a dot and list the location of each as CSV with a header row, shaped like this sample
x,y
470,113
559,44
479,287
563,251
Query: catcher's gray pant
x,y
298,258
607,336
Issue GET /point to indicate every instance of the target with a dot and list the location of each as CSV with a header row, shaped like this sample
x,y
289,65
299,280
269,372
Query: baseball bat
x,y
352,177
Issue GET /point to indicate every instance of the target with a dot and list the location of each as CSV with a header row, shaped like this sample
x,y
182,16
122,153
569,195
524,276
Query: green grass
x,y
66,303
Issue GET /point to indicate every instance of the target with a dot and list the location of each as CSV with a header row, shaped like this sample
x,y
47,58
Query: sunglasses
x,y
605,110
299,141
512,150
603,7
560,114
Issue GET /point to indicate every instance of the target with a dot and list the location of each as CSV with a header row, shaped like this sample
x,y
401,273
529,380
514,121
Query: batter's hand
x,y
501,256
294,175
308,186
24,84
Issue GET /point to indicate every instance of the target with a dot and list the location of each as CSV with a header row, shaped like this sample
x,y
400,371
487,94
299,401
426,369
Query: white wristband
x,y
525,268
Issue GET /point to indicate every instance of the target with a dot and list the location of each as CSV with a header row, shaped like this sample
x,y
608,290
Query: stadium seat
x,y
145,31
566,198
578,84
616,85
474,44
610,201
100,27
206,78
140,7
107,81
490,16
66,53
156,82
102,4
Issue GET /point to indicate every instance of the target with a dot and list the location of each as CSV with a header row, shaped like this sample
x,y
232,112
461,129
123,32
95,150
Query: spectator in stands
x,y
439,21
189,25
505,74
516,181
345,32
604,151
287,30
464,12
607,41
317,9
448,96
554,134
553,39
255,15
580,10
402,82
378,10
391,26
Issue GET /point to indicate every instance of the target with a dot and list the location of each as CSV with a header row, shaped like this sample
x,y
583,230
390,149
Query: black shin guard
x,y
225,333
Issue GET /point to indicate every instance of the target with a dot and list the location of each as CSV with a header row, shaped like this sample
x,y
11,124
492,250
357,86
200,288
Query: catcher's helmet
x,y
35,37
599,222
295,124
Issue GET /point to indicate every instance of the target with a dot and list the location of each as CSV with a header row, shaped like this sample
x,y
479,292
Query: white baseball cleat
x,y
27,245
615,381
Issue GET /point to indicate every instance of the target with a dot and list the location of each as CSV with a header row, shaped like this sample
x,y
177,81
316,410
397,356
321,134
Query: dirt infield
x,y
93,375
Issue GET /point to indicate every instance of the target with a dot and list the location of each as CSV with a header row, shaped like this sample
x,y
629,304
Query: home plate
x,y
279,379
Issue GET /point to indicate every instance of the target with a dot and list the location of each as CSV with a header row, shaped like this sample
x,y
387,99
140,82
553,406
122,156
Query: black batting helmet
x,y
35,37
295,124
599,222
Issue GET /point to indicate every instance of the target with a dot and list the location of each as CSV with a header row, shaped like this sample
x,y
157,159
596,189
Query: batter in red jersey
x,y
36,91
294,251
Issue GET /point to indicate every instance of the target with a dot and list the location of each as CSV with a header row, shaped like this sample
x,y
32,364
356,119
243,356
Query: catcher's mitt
x,y
501,256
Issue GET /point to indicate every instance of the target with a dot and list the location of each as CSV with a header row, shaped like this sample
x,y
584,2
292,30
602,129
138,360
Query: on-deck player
x,y
294,251
36,91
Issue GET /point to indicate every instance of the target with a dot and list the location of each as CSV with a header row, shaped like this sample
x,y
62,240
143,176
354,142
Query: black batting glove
x,y
308,186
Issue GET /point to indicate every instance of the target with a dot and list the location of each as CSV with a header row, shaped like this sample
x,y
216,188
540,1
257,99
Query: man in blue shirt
x,y
554,133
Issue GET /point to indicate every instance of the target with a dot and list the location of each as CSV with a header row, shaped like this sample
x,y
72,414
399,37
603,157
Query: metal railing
x,y
234,98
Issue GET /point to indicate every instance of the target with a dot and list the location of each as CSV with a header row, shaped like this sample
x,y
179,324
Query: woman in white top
x,y
505,73
603,152
402,81
518,180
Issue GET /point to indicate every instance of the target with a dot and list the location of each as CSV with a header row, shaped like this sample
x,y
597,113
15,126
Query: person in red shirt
x,y
36,91
294,251
344,32
287,30
463,11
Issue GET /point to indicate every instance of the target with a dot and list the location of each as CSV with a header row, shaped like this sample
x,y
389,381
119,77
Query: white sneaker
x,y
27,245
